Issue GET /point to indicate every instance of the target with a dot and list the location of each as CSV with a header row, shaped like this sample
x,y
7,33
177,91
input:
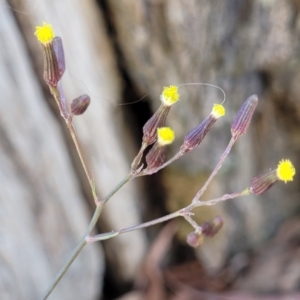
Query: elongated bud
x,y
80,104
193,139
211,228
157,154
243,117
54,58
54,62
194,239
168,97
156,121
284,172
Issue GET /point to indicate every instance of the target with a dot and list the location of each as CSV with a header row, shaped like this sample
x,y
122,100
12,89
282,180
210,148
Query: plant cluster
x,y
157,136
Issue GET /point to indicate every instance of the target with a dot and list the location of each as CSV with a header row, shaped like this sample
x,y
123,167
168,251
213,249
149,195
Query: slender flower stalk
x,y
84,240
215,171
54,67
186,211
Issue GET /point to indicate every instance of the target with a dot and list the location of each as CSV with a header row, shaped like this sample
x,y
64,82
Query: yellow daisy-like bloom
x,y
285,170
45,33
218,111
169,95
165,136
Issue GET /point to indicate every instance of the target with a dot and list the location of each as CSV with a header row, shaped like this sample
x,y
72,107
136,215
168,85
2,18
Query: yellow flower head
x,y
285,170
165,136
169,95
218,111
45,33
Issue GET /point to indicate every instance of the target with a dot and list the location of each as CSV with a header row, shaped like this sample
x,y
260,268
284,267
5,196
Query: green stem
x,y
184,212
84,239
59,97
111,234
64,269
58,94
215,171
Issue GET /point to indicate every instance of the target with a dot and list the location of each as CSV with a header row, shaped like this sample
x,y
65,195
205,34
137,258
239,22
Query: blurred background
x,y
122,53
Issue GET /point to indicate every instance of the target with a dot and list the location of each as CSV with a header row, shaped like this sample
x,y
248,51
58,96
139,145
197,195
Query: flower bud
x,y
80,104
54,62
243,117
168,97
156,121
211,228
194,239
193,139
284,172
54,58
157,154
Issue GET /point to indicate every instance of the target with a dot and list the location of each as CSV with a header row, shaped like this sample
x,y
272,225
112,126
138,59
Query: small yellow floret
x,y
45,33
218,110
285,170
169,95
165,136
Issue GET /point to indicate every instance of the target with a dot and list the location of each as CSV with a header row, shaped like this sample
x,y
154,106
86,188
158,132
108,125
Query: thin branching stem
x,y
185,212
84,239
60,100
215,171
155,170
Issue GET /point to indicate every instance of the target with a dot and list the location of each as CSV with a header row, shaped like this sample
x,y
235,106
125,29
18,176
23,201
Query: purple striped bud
x,y
243,117
211,228
194,239
193,139
285,172
156,121
54,61
262,183
169,97
80,104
